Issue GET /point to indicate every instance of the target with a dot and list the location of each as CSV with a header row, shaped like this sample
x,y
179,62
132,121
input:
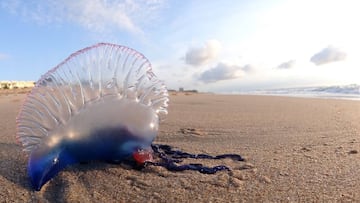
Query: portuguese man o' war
x,y
102,103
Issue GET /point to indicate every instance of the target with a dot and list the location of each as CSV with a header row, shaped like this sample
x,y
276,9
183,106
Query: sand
x,y
296,149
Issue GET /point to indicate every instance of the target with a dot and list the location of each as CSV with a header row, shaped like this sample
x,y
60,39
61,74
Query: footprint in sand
x,y
192,131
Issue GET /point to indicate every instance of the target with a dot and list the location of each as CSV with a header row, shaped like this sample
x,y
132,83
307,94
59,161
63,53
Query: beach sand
x,y
296,149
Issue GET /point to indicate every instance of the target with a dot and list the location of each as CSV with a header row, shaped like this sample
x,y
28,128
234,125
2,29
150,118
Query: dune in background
x,y
296,149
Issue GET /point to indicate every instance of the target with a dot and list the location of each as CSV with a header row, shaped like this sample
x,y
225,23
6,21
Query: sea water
x,y
349,92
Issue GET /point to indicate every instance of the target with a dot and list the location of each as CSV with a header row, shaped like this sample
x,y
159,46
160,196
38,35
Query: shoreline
x,y
301,96
350,97
324,96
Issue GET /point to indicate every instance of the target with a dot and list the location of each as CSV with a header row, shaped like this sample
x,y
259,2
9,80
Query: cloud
x,y
3,56
221,71
95,15
328,55
287,65
248,68
200,56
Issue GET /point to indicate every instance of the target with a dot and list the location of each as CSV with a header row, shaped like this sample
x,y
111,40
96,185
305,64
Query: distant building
x,y
16,84
181,89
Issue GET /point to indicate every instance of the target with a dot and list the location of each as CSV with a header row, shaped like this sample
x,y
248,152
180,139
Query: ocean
x,y
350,92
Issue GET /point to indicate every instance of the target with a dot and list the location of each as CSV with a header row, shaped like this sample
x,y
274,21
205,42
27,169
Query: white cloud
x,y
221,71
287,65
3,56
99,14
199,56
96,15
328,55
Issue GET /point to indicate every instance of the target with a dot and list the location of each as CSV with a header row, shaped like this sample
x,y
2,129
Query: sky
x,y
208,45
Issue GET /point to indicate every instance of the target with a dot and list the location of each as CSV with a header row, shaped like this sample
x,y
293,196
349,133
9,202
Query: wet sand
x,y
296,150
